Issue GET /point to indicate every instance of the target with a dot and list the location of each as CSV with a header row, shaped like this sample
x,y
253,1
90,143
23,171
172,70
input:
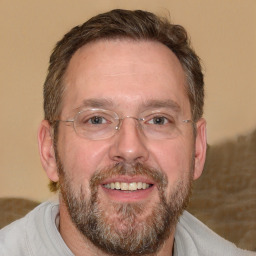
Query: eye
x,y
87,119
97,120
159,120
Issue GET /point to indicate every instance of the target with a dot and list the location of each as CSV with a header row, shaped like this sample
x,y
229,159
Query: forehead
x,y
125,73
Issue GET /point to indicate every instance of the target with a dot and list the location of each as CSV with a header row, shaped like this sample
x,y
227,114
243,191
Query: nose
x,y
129,144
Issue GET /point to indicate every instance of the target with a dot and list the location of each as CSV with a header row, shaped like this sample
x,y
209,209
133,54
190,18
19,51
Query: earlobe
x,y
200,148
46,150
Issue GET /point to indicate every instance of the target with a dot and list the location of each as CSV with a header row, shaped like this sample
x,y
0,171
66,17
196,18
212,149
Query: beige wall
x,y
223,34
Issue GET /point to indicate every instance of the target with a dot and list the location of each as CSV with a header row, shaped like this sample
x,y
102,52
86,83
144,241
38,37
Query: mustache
x,y
159,178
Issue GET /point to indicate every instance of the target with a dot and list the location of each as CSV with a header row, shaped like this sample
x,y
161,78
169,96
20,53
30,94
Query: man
x,y
122,140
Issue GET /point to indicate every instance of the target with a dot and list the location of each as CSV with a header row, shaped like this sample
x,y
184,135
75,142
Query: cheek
x,y
174,157
80,158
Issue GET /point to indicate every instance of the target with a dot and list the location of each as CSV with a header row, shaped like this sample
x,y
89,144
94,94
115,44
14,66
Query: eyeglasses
x,y
98,124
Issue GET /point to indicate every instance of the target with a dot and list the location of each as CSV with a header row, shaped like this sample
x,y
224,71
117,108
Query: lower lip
x,y
128,196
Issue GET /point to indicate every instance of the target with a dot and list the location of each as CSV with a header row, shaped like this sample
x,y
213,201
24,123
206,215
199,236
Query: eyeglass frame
x,y
120,120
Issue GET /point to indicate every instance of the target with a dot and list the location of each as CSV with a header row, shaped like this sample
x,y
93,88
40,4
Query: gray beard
x,y
128,234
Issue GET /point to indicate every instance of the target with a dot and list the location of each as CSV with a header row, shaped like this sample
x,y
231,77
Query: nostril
x,y
118,159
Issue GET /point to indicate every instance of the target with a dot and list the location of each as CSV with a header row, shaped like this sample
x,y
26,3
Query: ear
x,y
46,150
200,148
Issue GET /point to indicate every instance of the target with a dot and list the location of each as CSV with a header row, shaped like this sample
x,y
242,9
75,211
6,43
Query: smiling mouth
x,y
124,186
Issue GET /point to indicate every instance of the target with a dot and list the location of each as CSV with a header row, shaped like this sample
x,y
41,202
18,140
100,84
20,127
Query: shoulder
x,y
15,239
192,237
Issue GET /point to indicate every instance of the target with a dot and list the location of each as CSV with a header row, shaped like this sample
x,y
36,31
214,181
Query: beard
x,y
124,228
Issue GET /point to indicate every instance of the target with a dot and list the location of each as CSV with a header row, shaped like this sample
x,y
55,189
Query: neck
x,y
81,246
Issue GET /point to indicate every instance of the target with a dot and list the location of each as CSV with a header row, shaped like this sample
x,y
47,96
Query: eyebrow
x,y
96,103
154,103
147,104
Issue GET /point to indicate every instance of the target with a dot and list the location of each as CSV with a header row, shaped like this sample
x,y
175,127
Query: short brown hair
x,y
135,25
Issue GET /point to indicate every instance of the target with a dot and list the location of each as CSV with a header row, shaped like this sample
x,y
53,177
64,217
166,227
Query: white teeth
x,y
139,185
133,186
127,186
117,185
124,186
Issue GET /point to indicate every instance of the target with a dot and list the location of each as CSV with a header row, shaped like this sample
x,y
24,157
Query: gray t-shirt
x,y
37,235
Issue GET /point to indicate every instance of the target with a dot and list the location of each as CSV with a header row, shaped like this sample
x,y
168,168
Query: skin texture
x,y
123,76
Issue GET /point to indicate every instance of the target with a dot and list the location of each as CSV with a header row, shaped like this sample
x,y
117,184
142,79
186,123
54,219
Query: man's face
x,y
129,78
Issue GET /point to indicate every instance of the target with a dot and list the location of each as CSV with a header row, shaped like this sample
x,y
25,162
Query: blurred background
x,y
223,33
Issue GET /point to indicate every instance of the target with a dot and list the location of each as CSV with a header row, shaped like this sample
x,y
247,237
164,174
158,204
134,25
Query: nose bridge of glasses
x,y
137,120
